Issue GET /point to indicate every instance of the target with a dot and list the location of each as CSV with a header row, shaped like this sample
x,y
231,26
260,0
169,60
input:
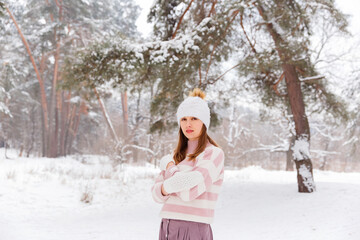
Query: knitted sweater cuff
x,y
171,171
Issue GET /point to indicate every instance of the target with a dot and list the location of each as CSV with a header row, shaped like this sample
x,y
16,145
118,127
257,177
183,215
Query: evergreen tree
x,y
286,26
2,8
273,47
52,29
184,46
352,131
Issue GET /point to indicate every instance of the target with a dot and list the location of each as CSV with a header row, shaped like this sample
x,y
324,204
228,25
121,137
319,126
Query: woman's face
x,y
191,127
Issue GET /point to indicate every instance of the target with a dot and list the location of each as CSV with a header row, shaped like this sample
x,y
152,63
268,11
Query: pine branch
x,y
276,85
180,20
234,14
2,8
212,10
200,74
248,39
216,79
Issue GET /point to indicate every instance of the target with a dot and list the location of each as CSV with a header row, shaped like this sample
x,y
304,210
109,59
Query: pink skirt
x,y
172,229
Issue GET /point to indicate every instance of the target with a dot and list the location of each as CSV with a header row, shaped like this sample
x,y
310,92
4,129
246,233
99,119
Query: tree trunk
x,y
43,137
32,140
301,147
68,137
57,122
151,138
125,113
74,128
136,132
64,121
290,152
302,128
53,148
106,116
289,155
6,147
40,80
324,158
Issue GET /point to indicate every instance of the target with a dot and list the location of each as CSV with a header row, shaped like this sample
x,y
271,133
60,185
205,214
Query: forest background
x,y
80,78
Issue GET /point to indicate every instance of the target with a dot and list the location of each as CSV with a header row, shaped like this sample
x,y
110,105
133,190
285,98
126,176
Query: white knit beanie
x,y
195,106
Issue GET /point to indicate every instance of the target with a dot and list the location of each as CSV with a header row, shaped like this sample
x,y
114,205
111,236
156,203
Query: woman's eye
x,y
184,119
194,118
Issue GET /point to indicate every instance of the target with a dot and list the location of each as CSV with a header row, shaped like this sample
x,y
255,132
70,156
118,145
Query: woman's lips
x,y
189,131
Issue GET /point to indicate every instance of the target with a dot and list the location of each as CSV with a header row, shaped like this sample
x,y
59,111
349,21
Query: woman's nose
x,y
188,123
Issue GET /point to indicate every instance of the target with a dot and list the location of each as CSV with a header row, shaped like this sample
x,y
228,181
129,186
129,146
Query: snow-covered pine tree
x,y
188,38
352,131
18,95
277,35
180,20
2,8
279,63
53,29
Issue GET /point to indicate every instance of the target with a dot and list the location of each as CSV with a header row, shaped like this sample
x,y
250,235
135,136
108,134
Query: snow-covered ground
x,y
40,199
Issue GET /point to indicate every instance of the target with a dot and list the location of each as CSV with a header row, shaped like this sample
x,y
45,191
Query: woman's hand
x,y
169,161
165,161
163,192
170,164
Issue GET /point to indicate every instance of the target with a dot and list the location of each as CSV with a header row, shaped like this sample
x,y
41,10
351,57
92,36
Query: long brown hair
x,y
180,151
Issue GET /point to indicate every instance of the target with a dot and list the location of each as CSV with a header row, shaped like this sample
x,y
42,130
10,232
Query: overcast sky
x,y
141,23
351,7
347,6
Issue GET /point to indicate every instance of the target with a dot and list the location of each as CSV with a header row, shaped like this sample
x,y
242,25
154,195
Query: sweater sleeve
x,y
156,189
189,185
170,171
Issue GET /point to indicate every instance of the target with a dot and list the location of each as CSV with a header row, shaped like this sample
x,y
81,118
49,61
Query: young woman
x,y
190,179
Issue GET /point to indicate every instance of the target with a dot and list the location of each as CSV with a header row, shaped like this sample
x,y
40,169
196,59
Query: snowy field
x,y
45,199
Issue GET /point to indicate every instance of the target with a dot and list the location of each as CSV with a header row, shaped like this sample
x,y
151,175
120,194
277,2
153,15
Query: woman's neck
x,y
191,147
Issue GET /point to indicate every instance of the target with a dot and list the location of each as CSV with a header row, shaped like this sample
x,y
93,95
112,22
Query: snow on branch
x,y
118,58
313,78
75,99
137,147
322,153
5,109
271,148
327,135
352,140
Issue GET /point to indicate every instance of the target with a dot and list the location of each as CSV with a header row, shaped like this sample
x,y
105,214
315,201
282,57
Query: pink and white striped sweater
x,y
194,187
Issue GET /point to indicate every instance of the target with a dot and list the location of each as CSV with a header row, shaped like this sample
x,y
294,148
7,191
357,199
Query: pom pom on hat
x,y
195,106
197,93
